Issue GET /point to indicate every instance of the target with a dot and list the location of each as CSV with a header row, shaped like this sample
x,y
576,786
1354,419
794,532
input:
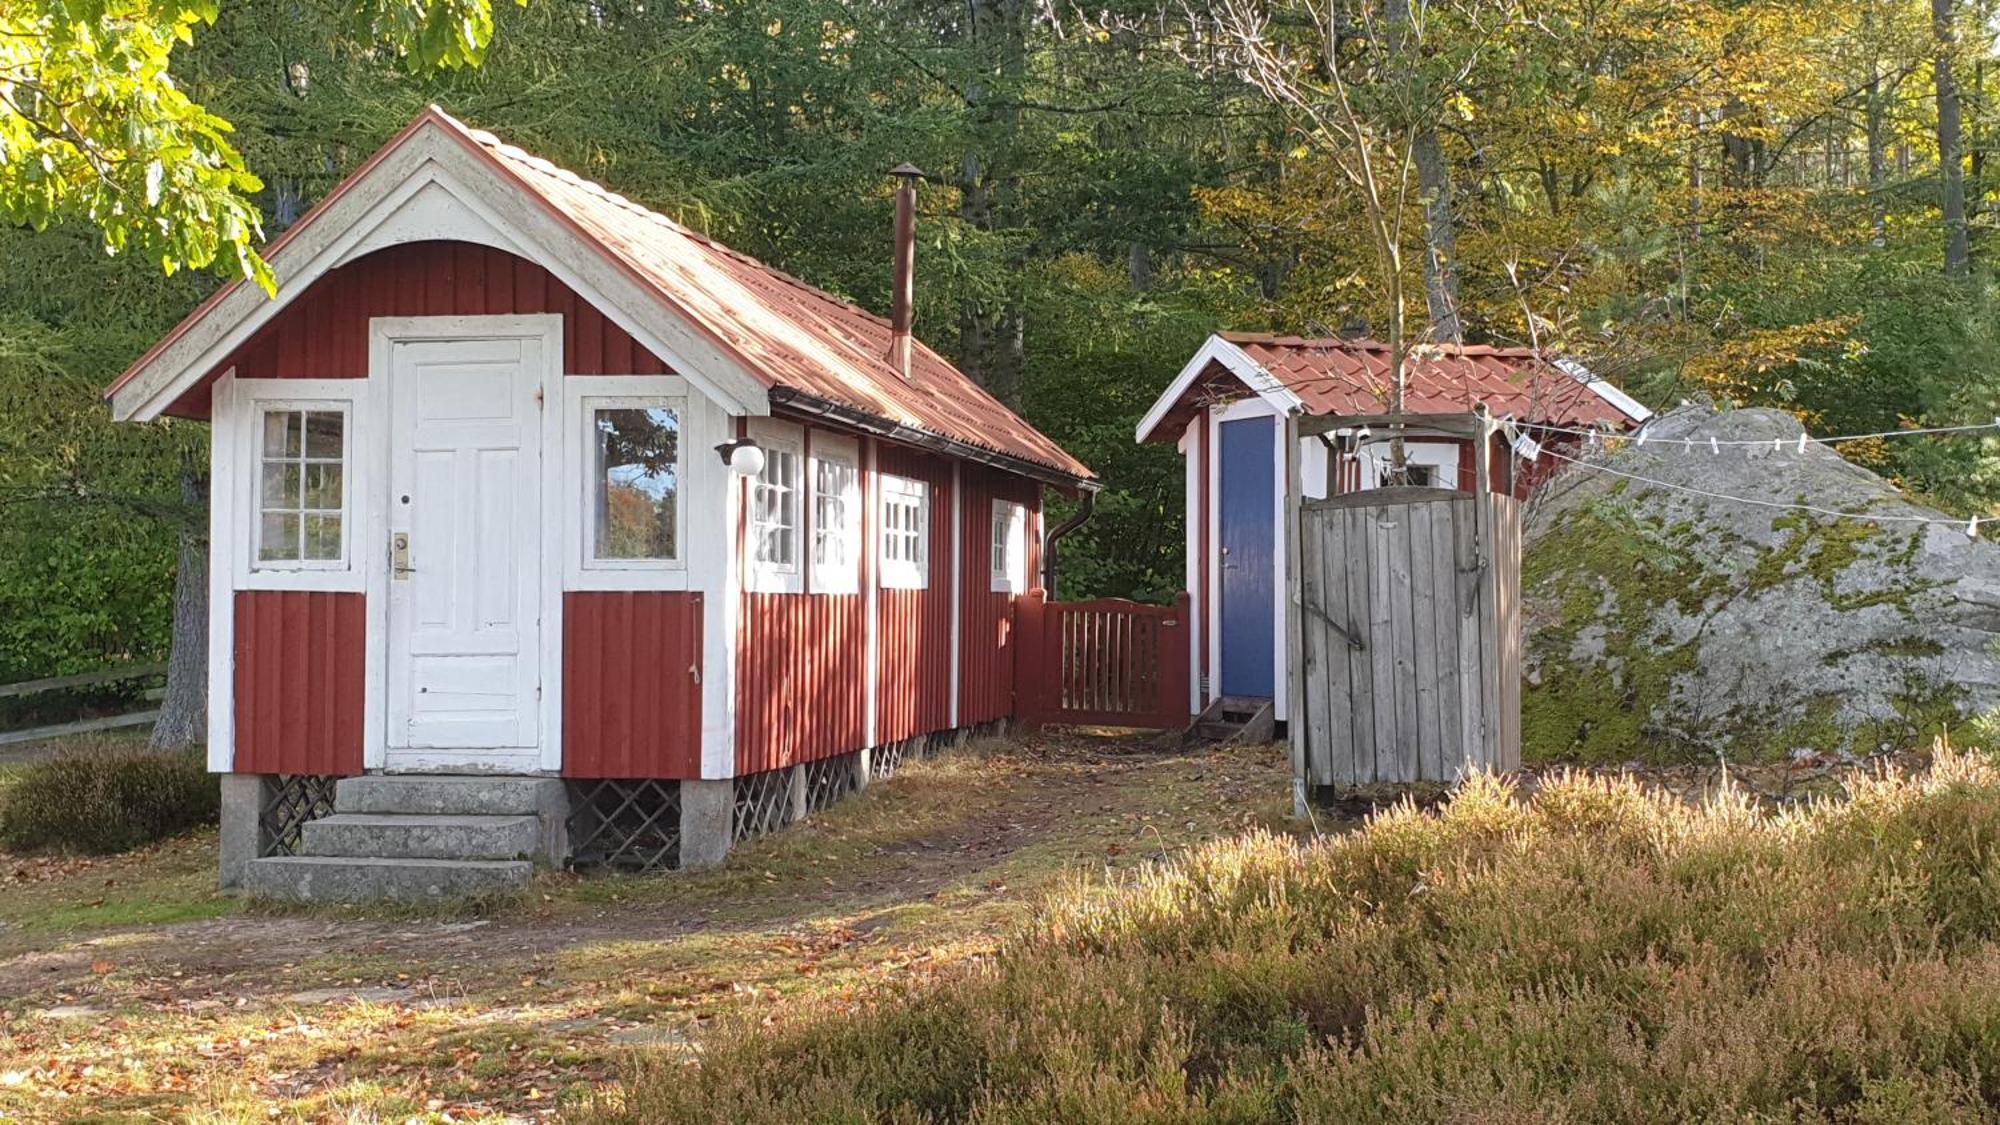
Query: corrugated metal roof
x,y
789,333
1351,376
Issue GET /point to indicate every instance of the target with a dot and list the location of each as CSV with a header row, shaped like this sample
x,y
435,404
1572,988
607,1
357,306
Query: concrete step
x,y
409,836
319,879
418,795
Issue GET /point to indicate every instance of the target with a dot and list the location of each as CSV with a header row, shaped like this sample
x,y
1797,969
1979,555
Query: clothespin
x,y
1972,528
1643,435
1802,441
1714,446
1777,445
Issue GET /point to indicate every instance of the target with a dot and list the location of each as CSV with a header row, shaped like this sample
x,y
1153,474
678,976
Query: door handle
x,y
399,556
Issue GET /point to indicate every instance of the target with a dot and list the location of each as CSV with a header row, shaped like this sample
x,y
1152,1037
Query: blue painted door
x,y
1246,501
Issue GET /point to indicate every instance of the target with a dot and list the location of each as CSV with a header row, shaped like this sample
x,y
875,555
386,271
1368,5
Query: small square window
x,y
1009,547
905,533
774,510
636,485
302,488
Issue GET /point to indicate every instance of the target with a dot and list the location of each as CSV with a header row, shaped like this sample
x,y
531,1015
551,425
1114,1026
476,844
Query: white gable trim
x,y
1620,401
502,212
1238,363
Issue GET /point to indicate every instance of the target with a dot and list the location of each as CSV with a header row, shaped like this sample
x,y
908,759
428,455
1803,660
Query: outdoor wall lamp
x,y
743,457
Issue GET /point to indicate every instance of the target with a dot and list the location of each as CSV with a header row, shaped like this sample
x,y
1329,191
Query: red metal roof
x,y
1351,376
786,332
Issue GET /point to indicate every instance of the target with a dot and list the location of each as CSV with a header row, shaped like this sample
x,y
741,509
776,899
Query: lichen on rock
x,y
1662,623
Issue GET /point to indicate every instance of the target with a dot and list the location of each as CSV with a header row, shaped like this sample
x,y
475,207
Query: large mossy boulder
x,y
1662,623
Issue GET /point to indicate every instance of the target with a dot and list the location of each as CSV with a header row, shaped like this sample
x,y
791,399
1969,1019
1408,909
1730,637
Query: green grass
x,y
1599,952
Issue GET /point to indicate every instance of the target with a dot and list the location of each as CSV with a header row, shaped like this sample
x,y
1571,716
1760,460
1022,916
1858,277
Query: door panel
x,y
1246,500
464,603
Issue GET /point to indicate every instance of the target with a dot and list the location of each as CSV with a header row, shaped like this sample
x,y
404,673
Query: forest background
x,y
1764,202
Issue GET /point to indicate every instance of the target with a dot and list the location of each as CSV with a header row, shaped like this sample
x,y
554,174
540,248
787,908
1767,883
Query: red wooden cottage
x,y
559,530
1225,410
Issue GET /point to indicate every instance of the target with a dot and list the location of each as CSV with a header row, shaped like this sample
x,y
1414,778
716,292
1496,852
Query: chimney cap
x,y
907,171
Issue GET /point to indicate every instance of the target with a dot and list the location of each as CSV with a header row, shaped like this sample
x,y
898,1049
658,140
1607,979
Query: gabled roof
x,y
1338,376
806,348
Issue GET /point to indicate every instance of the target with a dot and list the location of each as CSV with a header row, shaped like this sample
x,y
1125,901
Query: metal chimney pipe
x,y
903,307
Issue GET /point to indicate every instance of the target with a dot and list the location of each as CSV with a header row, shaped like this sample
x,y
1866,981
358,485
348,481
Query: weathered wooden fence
x,y
1109,662
1411,635
27,688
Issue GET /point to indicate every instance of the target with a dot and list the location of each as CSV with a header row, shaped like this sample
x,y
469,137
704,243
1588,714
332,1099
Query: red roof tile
x,y
787,332
1351,376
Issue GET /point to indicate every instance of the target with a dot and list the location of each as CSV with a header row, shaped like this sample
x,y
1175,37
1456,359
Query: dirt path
x,y
297,1014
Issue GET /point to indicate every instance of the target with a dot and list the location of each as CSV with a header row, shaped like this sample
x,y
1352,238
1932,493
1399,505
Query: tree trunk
x,y
1878,161
1951,143
1440,238
991,330
184,712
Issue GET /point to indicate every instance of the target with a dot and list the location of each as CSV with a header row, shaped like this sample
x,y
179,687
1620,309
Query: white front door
x,y
465,581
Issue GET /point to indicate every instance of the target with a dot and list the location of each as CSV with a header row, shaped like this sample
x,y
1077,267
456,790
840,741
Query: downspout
x,y
1055,536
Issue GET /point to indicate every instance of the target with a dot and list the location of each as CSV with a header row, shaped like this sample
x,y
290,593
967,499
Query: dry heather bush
x,y
1599,953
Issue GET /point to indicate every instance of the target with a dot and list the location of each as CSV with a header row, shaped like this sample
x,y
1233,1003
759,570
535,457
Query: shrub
x,y
107,799
1598,953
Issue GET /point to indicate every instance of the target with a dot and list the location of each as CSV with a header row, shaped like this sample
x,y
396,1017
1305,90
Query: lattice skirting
x,y
763,804
291,799
629,824
829,779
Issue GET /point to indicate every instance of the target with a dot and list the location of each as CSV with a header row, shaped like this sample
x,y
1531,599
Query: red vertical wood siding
x,y
986,619
802,659
301,659
632,684
801,679
913,694
323,333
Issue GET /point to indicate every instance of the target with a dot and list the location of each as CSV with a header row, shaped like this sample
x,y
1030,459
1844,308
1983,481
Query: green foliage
x,y
1598,947
112,797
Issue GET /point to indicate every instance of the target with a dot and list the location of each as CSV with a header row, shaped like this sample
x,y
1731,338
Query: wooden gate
x,y
1411,635
1109,662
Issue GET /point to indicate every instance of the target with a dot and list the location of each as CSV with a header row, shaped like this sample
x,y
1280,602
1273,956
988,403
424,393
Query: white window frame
x,y
1440,457
1009,529
248,401
777,577
905,574
583,396
845,453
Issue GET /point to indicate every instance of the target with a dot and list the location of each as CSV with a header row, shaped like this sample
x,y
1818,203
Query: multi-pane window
x,y
636,486
1009,546
774,510
301,487
905,533
834,521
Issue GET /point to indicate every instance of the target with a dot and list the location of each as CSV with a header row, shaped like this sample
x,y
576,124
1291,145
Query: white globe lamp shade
x,y
746,460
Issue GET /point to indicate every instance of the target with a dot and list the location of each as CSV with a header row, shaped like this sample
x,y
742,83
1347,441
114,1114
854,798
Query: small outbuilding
x,y
544,527
1227,410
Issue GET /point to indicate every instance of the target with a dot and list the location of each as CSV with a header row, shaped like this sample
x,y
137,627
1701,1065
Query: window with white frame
x,y
634,486
1009,547
301,487
774,510
836,521
906,533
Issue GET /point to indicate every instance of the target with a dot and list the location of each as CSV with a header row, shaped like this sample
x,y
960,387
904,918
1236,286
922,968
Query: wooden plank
x,y
1382,644
1400,615
1424,669
1415,425
1339,758
1489,657
1360,558
1444,638
84,726
1465,631
81,679
1310,709
1508,620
